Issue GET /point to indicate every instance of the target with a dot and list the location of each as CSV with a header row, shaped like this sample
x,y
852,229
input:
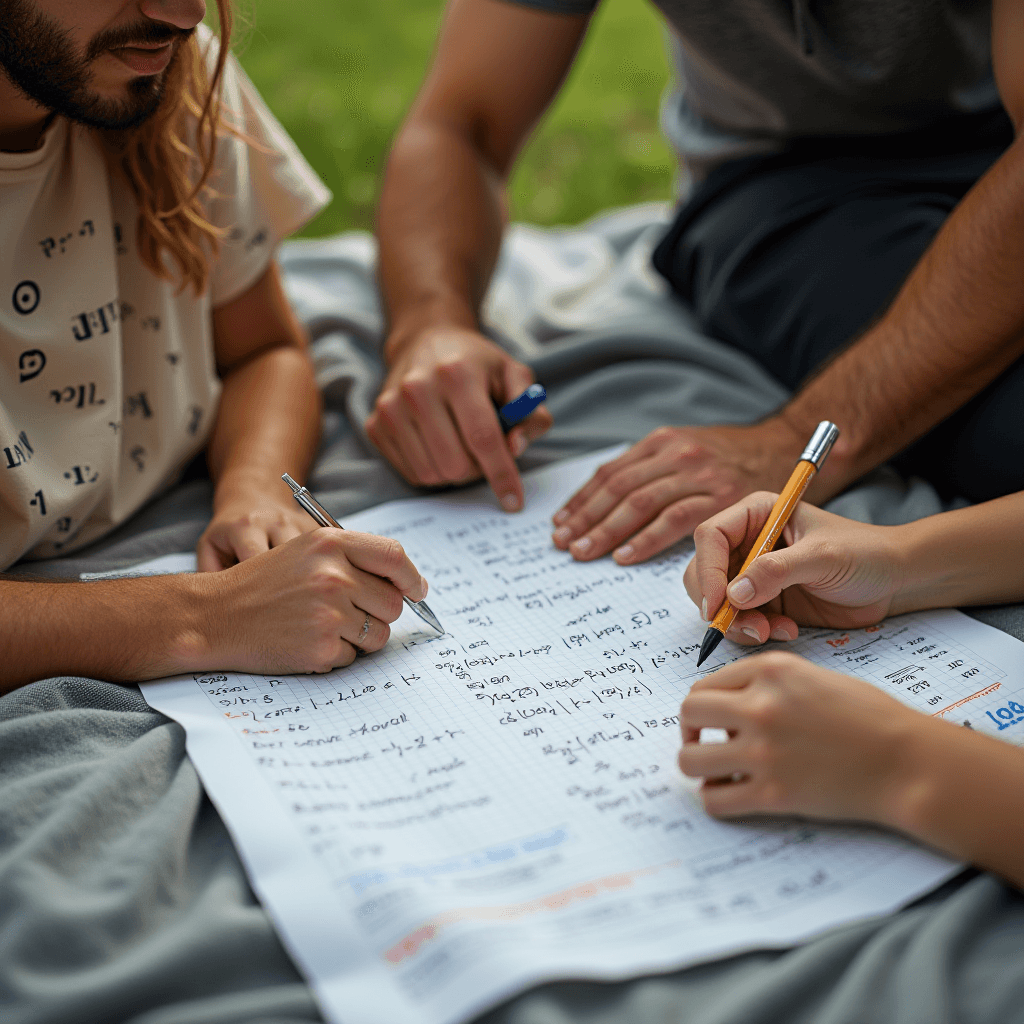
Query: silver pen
x,y
324,518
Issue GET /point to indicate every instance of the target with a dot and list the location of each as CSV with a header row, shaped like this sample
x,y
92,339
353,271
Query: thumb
x,y
767,576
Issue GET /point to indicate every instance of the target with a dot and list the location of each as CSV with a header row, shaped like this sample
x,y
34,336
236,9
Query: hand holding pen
x,y
324,518
434,419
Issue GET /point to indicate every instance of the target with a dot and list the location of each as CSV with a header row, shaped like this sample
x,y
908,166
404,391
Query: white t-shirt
x,y
108,385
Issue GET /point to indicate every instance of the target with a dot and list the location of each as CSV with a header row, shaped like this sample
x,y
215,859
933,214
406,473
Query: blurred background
x,y
339,74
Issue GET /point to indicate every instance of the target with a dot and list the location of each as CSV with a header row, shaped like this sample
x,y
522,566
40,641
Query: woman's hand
x,y
833,571
802,740
248,520
307,605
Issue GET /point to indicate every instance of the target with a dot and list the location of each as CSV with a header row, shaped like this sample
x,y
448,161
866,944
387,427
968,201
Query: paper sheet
x,y
452,819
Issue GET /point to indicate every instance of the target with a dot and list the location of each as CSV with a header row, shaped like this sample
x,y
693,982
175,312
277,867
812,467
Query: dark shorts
x,y
789,258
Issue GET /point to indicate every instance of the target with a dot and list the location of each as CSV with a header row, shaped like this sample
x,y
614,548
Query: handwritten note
x,y
455,818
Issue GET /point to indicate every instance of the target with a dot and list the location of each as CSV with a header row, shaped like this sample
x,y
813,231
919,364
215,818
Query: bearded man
x,y
144,187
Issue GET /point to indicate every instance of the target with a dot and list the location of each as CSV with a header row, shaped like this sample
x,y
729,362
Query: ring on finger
x,y
365,629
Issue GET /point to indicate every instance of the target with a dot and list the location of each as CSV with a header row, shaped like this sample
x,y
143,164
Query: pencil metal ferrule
x,y
820,444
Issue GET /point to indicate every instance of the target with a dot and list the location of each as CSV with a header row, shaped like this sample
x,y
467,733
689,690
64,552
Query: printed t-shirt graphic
x,y
108,384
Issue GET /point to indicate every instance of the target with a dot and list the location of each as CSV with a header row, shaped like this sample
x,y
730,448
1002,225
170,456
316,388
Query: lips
x,y
145,60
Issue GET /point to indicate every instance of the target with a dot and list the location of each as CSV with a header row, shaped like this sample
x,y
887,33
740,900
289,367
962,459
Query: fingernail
x,y
510,503
561,516
580,546
780,634
424,587
751,632
741,590
563,533
625,552
518,446
704,609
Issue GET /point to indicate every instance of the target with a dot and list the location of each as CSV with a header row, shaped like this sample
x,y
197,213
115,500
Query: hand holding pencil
x,y
833,572
806,468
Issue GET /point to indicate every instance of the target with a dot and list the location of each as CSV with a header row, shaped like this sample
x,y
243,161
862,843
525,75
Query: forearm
x,y
956,324
268,422
440,223
967,557
117,630
960,792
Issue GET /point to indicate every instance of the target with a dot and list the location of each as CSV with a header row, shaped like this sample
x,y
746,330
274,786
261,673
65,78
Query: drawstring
x,y
801,24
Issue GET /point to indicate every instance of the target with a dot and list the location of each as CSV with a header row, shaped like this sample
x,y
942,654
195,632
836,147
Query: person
x,y
143,188
837,155
808,741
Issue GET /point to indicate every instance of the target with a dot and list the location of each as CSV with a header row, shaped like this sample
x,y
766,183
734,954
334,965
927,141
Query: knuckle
x,y
483,439
682,456
392,554
764,709
393,604
453,372
642,502
377,638
703,533
662,434
677,518
413,391
772,796
326,581
776,665
386,409
322,655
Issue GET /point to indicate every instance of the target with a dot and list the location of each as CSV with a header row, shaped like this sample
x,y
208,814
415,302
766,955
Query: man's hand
x,y
248,520
667,484
832,571
307,605
802,740
435,418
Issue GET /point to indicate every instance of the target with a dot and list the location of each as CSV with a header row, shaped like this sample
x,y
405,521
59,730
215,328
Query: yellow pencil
x,y
808,465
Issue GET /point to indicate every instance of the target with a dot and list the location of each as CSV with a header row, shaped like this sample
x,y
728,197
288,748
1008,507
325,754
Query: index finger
x,y
717,540
380,556
735,676
481,432
598,480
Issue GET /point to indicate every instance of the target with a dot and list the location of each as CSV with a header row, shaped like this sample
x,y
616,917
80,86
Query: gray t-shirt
x,y
751,74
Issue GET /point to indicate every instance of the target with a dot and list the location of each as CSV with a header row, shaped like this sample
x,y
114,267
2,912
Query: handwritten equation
x,y
468,802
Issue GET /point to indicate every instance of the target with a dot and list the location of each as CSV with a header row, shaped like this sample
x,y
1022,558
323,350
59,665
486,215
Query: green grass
x,y
339,74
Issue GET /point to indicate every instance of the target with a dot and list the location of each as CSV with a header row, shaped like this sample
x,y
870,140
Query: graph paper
x,y
455,818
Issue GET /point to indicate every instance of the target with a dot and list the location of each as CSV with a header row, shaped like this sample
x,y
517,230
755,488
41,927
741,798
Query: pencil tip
x,y
712,638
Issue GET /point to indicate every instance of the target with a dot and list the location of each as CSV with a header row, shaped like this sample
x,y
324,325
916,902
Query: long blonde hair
x,y
169,158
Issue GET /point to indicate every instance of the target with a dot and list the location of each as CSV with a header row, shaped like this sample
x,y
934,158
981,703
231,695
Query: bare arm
x,y
957,323
268,423
300,607
440,222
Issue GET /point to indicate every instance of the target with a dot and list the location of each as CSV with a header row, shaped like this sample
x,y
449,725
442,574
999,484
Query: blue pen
x,y
519,408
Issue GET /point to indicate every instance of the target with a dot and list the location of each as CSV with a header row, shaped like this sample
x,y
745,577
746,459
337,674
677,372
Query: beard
x,y
38,56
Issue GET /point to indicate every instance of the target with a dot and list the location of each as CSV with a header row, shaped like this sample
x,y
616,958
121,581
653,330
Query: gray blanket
x,y
121,895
